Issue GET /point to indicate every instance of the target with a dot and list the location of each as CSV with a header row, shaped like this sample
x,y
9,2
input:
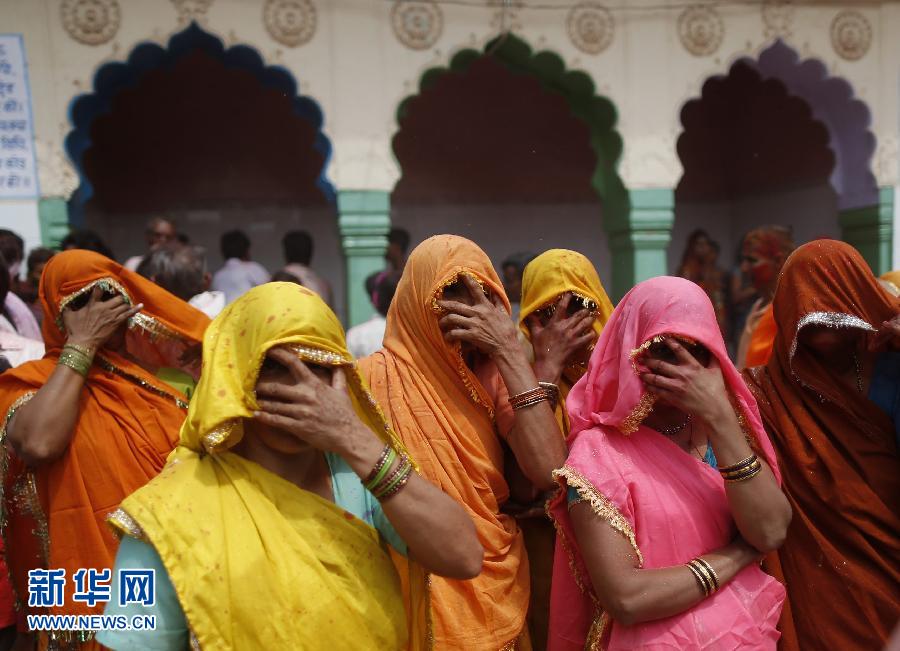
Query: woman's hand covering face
x,y
483,322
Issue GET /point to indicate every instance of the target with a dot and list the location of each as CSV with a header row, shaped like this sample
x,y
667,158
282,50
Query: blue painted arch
x,y
111,78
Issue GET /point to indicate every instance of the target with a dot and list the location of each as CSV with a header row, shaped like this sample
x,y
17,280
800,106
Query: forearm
x,y
42,428
423,516
535,438
647,595
759,508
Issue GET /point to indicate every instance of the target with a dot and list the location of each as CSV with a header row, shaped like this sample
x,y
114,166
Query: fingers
x,y
274,391
278,421
562,305
534,324
339,380
458,308
458,334
277,407
657,381
681,353
475,290
452,320
584,340
581,320
662,368
96,294
292,363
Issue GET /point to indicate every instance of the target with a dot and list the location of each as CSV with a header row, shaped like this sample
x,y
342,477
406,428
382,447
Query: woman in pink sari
x,y
671,493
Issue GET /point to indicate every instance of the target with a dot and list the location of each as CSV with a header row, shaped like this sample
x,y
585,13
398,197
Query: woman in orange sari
x,y
820,396
450,355
90,422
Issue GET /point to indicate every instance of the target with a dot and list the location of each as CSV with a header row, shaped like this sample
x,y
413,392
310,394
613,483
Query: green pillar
x,y
871,230
639,238
364,221
53,216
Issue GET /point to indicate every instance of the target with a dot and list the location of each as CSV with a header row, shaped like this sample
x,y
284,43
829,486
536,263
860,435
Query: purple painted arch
x,y
846,117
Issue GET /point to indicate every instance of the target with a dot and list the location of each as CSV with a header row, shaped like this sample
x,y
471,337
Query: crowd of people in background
x,y
491,461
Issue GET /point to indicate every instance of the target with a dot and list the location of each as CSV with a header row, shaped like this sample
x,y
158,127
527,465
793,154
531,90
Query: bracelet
x,y
401,482
77,358
740,465
554,393
379,470
388,486
705,575
529,398
704,588
742,471
710,571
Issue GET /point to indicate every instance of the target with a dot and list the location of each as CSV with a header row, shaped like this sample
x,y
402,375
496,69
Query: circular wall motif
x,y
290,22
778,15
590,27
189,10
418,25
851,35
91,22
701,30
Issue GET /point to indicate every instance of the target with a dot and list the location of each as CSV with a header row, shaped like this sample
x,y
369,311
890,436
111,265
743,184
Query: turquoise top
x,y
172,632
884,389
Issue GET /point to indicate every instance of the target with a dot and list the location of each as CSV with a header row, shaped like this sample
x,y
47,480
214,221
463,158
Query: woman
x,y
91,421
672,491
564,309
274,455
829,399
450,355
699,265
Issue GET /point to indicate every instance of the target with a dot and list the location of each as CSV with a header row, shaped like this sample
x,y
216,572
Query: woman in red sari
x,y
92,421
828,396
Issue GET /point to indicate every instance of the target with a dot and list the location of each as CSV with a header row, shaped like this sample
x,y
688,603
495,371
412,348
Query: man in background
x,y
298,251
160,231
239,273
366,338
398,245
512,269
181,270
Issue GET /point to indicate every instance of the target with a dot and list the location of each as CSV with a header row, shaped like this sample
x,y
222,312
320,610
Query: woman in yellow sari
x,y
564,309
264,528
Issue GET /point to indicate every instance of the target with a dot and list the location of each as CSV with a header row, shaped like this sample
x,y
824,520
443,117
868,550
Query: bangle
x,y
388,485
704,588
710,571
554,393
742,471
529,398
401,482
77,358
379,470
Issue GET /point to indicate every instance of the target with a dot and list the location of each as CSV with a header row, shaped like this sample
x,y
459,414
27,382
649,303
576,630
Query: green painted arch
x,y
578,89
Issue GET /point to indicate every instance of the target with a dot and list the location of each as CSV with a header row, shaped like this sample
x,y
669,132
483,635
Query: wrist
x,y
86,342
547,370
360,449
717,414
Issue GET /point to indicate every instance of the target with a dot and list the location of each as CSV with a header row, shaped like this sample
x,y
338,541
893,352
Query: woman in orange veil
x,y
836,448
447,400
126,420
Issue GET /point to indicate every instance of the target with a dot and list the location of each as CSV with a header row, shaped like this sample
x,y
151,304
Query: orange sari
x,y
445,417
838,458
128,422
762,340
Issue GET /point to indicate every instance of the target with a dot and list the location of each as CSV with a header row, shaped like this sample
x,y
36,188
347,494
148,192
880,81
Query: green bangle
x,y
76,360
383,470
394,479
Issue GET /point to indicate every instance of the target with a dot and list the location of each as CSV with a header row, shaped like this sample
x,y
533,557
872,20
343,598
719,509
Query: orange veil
x,y
445,418
838,458
128,422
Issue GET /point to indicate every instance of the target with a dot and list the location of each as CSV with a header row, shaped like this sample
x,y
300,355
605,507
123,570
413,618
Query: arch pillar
x,y
870,230
53,218
639,237
364,219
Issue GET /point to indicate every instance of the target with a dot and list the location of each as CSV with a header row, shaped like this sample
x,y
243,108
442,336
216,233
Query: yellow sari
x,y
546,278
257,562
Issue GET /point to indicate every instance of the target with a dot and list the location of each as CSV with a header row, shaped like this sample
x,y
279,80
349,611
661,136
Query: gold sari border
x,y
829,320
121,522
601,505
108,366
107,283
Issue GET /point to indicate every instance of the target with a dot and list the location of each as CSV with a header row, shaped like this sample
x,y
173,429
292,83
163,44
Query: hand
x,y
556,343
689,386
191,356
889,332
98,320
484,324
314,411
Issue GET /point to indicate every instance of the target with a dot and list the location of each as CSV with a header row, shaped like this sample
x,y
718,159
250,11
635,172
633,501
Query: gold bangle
x,y
710,571
707,576
388,486
529,398
699,578
749,473
401,482
379,470
740,465
554,393
76,360
81,349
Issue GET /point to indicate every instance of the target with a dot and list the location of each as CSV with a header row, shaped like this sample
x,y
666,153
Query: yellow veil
x,y
257,562
545,279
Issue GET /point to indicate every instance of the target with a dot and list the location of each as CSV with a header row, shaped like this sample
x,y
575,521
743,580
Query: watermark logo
x,y
46,588
137,587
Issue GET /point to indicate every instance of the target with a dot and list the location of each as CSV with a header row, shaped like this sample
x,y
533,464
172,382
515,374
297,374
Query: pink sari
x,y
669,505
